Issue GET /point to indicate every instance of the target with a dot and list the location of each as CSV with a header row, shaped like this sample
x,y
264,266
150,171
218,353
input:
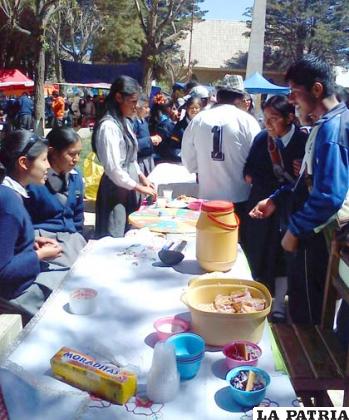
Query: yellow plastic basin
x,y
218,329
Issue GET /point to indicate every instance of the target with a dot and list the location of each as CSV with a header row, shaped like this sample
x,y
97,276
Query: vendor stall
x,y
258,84
14,82
133,290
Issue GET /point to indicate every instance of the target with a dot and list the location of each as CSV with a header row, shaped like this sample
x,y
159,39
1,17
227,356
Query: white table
x,y
133,291
174,177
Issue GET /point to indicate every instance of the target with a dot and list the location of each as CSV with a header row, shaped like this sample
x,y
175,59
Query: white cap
x,y
200,91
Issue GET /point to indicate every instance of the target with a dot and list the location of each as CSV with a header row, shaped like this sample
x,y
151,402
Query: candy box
x,y
104,380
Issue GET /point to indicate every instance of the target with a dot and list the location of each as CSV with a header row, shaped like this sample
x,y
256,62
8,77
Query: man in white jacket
x,y
216,144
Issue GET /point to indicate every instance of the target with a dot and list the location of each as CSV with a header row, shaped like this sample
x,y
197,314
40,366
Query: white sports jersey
x,y
216,145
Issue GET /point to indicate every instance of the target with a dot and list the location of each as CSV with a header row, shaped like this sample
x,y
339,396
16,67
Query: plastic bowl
x,y
187,345
169,325
190,350
248,398
83,301
196,205
218,329
188,370
232,355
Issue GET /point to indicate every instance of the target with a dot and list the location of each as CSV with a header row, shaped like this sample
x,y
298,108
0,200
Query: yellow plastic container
x,y
217,236
218,329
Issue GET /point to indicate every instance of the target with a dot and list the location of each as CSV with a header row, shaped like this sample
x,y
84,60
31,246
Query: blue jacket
x,y
19,264
26,105
48,213
330,178
145,145
165,129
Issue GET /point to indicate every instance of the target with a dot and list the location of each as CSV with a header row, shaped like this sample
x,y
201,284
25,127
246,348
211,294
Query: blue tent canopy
x,y
257,84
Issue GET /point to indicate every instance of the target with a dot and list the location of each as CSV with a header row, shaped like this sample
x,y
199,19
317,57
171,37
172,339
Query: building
x,y
219,47
214,43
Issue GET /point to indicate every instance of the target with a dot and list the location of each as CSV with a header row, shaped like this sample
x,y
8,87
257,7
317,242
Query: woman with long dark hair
x,y
116,146
57,208
24,157
272,163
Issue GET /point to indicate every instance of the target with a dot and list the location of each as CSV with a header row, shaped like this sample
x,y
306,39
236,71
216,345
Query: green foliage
x,y
121,36
164,23
297,27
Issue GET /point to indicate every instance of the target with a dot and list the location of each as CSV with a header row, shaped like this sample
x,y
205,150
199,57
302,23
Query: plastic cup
x,y
161,202
168,194
83,301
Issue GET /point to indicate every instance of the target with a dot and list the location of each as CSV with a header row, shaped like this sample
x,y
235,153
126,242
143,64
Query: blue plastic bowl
x,y
247,398
187,345
188,370
190,350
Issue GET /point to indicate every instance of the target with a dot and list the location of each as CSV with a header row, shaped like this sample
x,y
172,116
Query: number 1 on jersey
x,y
217,153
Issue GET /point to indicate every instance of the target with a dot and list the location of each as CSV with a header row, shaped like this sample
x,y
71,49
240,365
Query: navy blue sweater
x,y
48,213
19,264
26,105
145,145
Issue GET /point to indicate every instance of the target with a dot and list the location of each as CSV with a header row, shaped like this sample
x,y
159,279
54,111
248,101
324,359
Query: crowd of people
x,y
75,111
288,180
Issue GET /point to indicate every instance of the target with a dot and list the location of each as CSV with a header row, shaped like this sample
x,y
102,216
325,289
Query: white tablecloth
x,y
134,291
175,177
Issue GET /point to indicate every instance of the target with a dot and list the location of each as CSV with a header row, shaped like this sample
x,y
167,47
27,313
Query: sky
x,y
226,9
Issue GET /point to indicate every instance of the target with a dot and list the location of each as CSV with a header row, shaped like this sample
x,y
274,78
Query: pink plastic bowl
x,y
234,359
165,327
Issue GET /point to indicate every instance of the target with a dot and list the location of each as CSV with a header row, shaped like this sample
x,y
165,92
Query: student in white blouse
x,y
116,146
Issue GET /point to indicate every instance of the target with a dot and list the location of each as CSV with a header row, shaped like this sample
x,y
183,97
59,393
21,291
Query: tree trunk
x,y
147,75
58,69
39,113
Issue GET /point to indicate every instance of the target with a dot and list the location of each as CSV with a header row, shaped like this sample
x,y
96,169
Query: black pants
x,y
306,280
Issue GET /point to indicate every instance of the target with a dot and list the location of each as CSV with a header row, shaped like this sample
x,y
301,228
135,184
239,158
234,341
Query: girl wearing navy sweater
x,y
271,163
24,157
57,208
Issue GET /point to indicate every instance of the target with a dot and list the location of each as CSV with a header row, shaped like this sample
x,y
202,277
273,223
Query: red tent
x,y
10,78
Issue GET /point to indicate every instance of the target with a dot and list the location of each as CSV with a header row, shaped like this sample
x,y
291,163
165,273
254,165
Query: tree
x,y
298,27
77,25
23,55
72,32
163,22
121,38
43,11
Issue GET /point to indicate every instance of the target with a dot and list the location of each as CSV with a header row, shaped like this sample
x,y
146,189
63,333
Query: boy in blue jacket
x,y
325,167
